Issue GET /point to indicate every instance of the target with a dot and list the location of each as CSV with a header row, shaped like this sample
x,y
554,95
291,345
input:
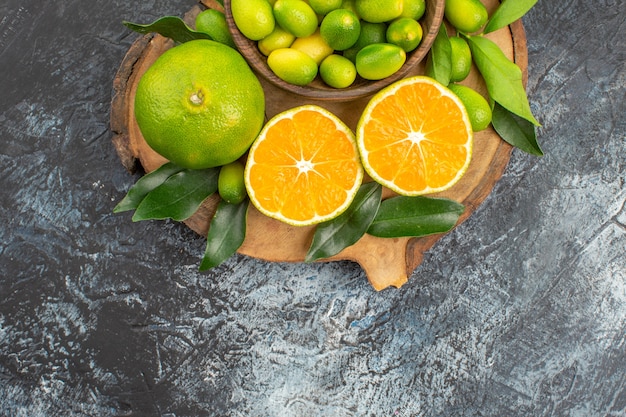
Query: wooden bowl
x,y
431,21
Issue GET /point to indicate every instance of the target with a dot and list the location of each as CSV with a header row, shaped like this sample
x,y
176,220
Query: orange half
x,y
304,167
415,137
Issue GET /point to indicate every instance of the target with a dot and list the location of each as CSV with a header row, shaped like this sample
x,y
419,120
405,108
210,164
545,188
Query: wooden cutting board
x,y
386,262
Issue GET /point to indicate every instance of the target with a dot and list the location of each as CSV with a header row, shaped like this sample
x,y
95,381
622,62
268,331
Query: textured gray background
x,y
521,311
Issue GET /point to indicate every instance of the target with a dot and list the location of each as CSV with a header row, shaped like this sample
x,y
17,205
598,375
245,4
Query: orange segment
x,y
304,168
415,137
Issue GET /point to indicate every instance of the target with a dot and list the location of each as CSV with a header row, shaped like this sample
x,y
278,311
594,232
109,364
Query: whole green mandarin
x,y
349,5
379,60
477,107
337,71
254,18
370,33
405,32
296,17
279,38
200,105
377,11
467,16
231,186
340,29
213,23
292,66
323,7
414,9
461,59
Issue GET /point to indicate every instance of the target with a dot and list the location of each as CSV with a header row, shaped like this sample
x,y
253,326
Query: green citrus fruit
x,y
461,59
466,15
314,46
230,183
340,29
377,11
292,66
349,5
477,107
295,16
279,38
254,18
370,33
405,32
413,8
213,23
323,7
379,60
337,71
200,105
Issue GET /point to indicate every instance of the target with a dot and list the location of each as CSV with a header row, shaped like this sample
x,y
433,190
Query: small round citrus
x,y
461,59
377,11
279,38
253,18
200,105
415,137
370,33
323,7
304,168
230,183
379,60
350,5
213,23
405,32
296,17
340,29
466,16
477,107
337,71
413,8
292,66
314,46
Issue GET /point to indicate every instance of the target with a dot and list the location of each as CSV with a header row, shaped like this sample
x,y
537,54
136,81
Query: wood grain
x,y
387,262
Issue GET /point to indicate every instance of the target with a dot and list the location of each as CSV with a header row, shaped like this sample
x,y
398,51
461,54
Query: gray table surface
x,y
520,311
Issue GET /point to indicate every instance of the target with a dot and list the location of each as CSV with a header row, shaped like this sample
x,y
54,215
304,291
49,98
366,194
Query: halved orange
x,y
415,137
304,167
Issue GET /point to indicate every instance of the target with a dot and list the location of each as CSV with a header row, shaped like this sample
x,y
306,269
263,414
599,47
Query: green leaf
x,y
439,61
179,196
144,185
415,217
333,236
172,27
508,12
226,233
502,77
515,130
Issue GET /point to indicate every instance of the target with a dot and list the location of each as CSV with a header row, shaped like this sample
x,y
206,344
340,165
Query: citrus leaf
x,y
179,196
515,130
333,236
415,217
508,12
172,27
439,61
144,185
227,232
502,77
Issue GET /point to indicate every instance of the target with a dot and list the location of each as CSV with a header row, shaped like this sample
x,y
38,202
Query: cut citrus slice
x,y
304,167
415,137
